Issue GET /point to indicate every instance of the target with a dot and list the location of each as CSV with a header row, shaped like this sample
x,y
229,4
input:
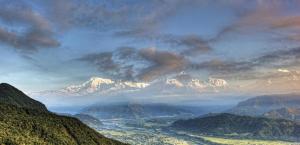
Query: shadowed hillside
x,y
284,113
241,126
262,104
12,96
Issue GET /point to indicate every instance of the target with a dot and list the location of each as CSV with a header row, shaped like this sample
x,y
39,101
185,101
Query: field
x,y
134,137
246,141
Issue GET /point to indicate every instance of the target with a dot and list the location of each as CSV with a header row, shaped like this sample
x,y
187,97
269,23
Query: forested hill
x,y
241,126
26,121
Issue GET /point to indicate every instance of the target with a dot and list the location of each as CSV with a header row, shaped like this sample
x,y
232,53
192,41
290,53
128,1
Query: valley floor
x,y
157,134
246,141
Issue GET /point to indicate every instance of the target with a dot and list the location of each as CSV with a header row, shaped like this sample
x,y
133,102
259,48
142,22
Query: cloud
x,y
120,63
96,15
287,22
104,61
136,64
223,67
126,53
148,64
37,34
193,44
283,70
280,58
260,16
151,15
162,63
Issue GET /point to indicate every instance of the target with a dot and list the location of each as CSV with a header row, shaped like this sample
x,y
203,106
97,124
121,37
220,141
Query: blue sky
x,y
49,44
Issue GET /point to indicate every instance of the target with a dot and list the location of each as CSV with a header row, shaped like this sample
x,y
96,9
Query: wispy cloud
x,y
162,63
38,32
267,16
192,44
148,64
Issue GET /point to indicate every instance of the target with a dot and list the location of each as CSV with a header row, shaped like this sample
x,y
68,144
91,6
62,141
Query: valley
x,y
162,124
158,135
157,130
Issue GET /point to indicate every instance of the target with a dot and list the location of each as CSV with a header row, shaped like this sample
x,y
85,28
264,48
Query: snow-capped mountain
x,y
104,86
217,82
90,86
196,83
184,83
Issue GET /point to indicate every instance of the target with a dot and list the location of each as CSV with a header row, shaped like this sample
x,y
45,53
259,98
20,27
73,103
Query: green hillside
x,y
13,96
20,124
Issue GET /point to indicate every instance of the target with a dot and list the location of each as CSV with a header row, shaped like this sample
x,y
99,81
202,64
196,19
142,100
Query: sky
x,y
49,44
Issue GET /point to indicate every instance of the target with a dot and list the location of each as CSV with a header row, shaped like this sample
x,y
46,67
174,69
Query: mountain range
x,y
105,86
26,121
134,111
182,87
262,104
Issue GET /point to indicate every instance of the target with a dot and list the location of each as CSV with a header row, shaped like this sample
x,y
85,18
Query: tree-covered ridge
x,y
26,121
246,126
13,96
28,126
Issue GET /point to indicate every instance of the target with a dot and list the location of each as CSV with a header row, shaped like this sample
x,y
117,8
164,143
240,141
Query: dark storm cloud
x,y
37,34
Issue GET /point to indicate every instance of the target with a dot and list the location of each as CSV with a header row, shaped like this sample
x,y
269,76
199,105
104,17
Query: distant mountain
x,y
104,86
89,120
284,113
133,111
26,121
96,85
181,81
262,104
11,95
240,126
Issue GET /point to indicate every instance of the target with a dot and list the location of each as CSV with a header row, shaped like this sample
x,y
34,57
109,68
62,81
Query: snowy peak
x,y
95,81
90,86
214,82
103,85
194,83
174,82
106,87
